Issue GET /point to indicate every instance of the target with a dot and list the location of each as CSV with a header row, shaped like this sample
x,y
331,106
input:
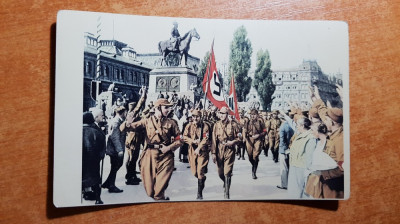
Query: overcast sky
x,y
288,42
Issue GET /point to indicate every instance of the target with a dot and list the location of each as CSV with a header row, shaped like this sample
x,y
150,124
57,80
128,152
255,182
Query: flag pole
x,y
205,94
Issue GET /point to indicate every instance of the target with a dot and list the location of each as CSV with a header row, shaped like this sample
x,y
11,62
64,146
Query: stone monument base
x,y
170,80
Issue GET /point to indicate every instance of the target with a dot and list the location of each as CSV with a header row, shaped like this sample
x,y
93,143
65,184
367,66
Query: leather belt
x,y
153,146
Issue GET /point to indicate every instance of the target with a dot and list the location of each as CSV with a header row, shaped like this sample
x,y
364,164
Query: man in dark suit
x,y
115,149
93,150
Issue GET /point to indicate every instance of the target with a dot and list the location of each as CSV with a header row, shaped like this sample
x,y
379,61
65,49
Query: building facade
x,y
118,66
293,86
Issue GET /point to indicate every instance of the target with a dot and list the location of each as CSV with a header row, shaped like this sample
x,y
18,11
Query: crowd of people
x,y
307,144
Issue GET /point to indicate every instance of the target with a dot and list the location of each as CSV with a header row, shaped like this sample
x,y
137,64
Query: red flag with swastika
x,y
211,84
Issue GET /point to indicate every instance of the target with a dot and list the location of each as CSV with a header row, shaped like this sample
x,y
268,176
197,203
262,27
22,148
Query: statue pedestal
x,y
170,79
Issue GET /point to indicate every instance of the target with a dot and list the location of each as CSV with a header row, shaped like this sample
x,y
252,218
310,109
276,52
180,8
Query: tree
x,y
263,79
240,62
202,71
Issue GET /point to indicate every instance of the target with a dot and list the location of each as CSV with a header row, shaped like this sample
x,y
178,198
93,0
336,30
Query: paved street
x,y
183,186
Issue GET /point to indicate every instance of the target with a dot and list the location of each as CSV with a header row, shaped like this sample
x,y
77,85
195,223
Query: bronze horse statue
x,y
165,47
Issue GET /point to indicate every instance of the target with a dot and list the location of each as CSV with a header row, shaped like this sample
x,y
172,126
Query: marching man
x,y
196,136
225,136
157,158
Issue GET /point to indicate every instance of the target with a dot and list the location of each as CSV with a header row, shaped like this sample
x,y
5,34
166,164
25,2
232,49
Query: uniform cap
x,y
336,114
313,113
254,112
196,113
224,110
162,102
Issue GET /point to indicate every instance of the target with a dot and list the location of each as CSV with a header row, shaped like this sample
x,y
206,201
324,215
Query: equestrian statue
x,y
177,44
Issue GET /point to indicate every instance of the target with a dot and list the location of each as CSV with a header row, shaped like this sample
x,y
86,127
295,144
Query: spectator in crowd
x,y
300,157
285,134
115,149
93,151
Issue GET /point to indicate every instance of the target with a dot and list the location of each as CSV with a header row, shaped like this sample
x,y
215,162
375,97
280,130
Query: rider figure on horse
x,y
176,37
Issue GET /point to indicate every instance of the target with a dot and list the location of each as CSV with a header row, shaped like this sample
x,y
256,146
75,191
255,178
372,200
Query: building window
x,y
123,75
134,78
106,71
130,77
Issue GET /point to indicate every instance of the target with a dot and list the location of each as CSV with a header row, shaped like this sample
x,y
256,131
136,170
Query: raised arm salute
x,y
162,139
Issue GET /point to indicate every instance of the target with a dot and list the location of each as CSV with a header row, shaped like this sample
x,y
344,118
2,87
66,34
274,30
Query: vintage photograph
x,y
158,109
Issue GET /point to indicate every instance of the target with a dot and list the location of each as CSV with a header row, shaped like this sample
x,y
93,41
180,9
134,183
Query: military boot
x,y
200,187
255,169
242,153
227,186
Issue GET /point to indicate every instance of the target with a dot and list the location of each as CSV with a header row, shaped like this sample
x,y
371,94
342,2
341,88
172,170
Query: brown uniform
x,y
254,127
332,180
198,163
133,141
333,184
273,136
157,167
266,139
223,132
242,144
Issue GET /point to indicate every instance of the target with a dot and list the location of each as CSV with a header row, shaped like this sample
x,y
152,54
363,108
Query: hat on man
x,y
88,118
264,113
336,114
162,102
274,112
224,110
120,109
313,113
196,113
254,112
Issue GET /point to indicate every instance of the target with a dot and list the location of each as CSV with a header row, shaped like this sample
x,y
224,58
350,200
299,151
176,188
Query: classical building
x,y
293,85
119,64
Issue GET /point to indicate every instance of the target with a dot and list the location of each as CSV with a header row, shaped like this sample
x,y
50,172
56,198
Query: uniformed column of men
x,y
296,139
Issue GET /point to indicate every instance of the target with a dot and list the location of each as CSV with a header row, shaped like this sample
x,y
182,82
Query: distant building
x,y
118,65
293,85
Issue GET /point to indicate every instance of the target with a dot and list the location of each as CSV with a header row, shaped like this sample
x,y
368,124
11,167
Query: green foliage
x,y
263,79
240,62
202,70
